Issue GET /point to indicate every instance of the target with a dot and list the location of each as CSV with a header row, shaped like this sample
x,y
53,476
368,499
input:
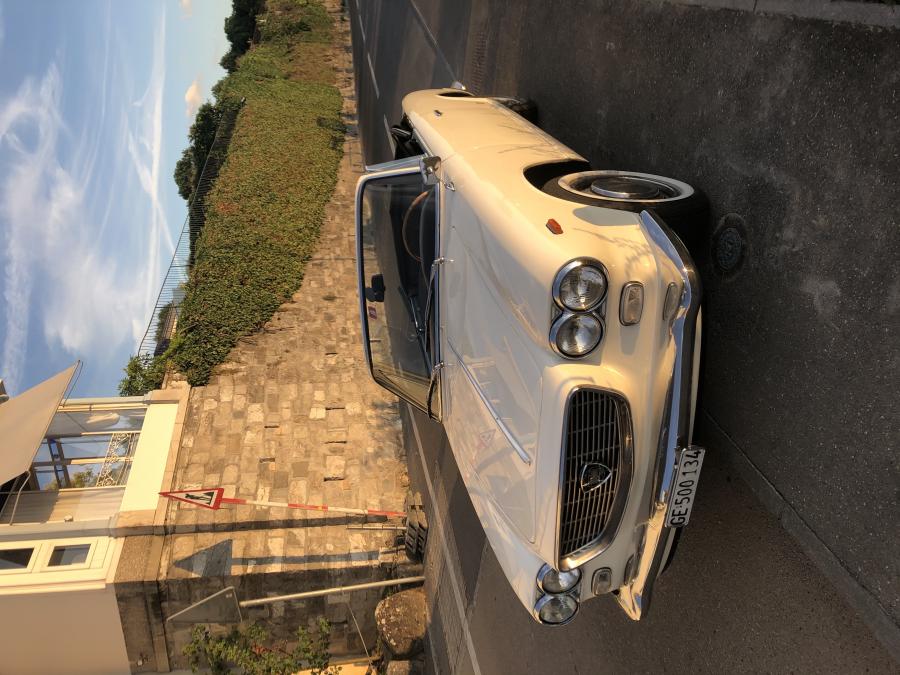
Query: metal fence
x,y
164,319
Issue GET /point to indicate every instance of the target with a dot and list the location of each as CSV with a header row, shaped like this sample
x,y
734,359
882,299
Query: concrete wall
x,y
75,632
149,463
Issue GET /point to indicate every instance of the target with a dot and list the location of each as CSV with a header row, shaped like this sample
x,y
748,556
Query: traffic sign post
x,y
213,498
208,498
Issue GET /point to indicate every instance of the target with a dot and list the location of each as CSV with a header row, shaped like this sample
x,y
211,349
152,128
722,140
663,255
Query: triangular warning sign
x,y
485,438
208,498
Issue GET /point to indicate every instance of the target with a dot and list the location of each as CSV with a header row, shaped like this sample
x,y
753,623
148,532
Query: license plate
x,y
690,461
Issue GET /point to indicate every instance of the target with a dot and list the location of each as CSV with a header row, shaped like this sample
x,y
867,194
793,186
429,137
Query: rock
x,y
400,619
405,668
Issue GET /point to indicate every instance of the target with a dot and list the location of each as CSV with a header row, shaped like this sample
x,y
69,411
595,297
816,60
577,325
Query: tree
x,y
142,374
248,650
229,61
82,479
239,29
203,132
185,174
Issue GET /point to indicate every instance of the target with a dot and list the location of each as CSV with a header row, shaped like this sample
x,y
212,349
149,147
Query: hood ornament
x,y
593,475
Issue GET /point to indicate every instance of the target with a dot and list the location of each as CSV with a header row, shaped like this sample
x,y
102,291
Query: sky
x,y
96,98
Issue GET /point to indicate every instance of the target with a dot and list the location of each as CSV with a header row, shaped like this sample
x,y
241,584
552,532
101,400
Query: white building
x,y
79,476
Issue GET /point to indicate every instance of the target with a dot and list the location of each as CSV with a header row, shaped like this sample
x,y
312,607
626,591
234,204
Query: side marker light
x,y
554,227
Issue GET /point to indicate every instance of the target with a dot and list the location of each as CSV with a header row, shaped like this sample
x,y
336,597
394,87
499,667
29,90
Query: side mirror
x,y
430,168
375,292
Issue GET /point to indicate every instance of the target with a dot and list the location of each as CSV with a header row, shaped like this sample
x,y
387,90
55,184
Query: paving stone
x,y
334,467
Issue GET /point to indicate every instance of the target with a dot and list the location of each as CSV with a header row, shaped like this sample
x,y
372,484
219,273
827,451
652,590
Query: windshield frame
x,y
430,342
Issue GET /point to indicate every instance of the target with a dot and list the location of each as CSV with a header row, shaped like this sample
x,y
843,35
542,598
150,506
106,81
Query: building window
x,y
70,554
15,558
87,448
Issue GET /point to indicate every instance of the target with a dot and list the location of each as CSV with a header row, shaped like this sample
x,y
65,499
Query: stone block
x,y
335,467
255,414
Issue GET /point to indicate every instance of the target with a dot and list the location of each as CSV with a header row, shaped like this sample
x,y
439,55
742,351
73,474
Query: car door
x,y
397,215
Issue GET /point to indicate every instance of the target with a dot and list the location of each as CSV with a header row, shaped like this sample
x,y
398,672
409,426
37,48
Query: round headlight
x,y
556,610
575,335
580,286
551,580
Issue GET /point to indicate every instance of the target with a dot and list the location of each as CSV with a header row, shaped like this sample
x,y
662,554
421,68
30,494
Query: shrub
x,y
252,652
142,374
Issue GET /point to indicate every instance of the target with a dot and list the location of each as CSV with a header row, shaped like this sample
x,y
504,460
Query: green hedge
x,y
267,206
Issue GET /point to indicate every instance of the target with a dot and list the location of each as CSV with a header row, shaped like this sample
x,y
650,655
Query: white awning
x,y
24,420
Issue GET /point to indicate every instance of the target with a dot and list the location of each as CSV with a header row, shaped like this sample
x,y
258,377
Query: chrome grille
x,y
597,431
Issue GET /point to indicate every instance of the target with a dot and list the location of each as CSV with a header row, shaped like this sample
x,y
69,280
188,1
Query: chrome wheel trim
x,y
585,184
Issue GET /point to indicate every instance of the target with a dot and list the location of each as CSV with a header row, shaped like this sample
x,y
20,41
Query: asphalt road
x,y
800,372
739,596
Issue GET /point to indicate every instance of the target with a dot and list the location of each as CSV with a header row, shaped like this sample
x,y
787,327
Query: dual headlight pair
x,y
557,604
579,289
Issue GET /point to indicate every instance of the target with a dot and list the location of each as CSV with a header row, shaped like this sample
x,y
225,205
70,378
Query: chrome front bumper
x,y
675,431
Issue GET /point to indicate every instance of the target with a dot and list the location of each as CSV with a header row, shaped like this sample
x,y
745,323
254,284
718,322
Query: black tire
x,y
523,107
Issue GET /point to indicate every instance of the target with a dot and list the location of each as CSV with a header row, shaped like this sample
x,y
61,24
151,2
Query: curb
x,y
840,11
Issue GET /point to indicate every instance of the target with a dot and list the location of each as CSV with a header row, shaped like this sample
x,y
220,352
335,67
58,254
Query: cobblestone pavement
x,y
293,416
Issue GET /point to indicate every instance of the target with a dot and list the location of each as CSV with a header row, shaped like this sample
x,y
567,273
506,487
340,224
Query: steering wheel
x,y
418,201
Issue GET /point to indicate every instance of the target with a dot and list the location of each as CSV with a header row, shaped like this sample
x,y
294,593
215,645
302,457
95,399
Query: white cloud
x,y
192,98
145,150
187,7
26,204
53,213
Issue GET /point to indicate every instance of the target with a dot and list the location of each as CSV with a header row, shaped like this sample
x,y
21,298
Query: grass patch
x,y
268,203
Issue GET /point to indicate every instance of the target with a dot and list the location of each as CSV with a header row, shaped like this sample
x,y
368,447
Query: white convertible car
x,y
546,315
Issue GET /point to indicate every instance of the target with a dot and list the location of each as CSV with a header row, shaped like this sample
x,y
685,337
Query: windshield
x,y
398,223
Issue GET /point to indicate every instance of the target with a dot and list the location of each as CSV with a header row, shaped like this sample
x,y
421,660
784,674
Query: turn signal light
x,y
631,305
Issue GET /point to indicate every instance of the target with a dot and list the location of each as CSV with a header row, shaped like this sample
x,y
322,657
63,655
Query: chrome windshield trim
x,y
402,163
675,429
520,451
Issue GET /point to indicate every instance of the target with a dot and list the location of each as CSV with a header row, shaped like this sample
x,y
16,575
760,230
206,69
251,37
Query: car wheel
x,y
683,208
524,107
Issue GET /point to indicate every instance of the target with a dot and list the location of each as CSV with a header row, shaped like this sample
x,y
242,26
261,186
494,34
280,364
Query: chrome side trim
x,y
675,430
520,451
